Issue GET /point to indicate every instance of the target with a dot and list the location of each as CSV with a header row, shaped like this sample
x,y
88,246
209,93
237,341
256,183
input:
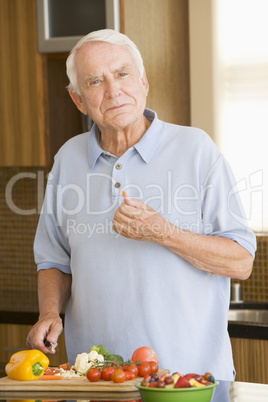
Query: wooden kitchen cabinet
x,y
22,76
13,338
36,113
250,360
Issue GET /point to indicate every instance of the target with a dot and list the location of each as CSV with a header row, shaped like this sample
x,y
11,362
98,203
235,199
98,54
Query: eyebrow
x,y
117,70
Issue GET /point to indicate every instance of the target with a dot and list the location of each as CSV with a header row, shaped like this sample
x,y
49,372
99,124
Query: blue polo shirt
x,y
128,293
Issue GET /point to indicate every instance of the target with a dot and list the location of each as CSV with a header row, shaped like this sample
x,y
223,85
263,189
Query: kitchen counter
x,y
236,392
246,330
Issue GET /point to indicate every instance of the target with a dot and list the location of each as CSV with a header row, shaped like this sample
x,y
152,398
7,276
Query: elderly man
x,y
150,267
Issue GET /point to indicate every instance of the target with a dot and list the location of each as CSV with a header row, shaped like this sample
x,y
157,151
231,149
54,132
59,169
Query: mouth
x,y
117,107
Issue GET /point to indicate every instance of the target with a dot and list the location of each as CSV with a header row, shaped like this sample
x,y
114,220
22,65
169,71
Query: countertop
x,y
245,330
234,392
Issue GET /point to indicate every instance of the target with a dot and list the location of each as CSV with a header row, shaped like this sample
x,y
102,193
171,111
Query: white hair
x,y
104,35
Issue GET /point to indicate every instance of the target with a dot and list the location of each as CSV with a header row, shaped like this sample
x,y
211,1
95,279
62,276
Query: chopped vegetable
x,y
51,377
27,365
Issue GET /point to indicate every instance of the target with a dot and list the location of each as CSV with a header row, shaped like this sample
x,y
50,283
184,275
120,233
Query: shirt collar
x,y
146,147
150,141
94,148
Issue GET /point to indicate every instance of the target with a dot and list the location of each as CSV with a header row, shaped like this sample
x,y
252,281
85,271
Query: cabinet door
x,y
22,101
250,360
13,338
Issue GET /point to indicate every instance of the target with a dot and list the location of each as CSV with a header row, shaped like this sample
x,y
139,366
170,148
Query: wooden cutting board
x,y
71,384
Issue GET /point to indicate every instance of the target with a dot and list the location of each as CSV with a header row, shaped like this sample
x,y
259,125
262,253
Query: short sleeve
x,y
222,209
51,246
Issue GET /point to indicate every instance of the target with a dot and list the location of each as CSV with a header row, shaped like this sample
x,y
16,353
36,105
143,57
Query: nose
x,y
112,89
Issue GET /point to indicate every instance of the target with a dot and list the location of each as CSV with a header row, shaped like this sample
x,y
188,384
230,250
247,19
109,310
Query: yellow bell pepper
x,y
27,365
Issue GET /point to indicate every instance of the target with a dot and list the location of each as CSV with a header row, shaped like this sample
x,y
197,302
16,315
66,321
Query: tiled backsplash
x,y
21,190
255,288
21,193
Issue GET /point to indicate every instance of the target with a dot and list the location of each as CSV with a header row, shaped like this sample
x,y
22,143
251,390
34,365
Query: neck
x,y
118,142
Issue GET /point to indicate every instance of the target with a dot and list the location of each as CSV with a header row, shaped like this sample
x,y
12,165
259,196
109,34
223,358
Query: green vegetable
x,y
101,350
116,358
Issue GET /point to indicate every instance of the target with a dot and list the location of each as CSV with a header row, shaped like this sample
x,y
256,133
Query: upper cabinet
x,y
23,129
36,113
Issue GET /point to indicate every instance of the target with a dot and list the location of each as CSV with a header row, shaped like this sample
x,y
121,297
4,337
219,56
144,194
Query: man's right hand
x,y
48,328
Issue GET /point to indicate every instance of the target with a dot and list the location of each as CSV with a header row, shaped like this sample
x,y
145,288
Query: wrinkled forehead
x,y
98,54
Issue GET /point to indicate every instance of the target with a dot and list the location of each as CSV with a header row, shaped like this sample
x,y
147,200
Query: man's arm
x,y
54,288
213,254
216,255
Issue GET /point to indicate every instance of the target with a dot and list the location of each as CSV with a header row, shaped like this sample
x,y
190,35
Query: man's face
x,y
112,91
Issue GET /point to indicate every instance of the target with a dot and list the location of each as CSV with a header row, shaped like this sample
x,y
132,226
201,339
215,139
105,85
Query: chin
x,y
122,120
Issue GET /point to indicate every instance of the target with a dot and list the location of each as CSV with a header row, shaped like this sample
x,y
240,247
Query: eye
x,y
123,74
95,82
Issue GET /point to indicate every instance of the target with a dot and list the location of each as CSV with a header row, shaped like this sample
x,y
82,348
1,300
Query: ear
x,y
145,82
78,101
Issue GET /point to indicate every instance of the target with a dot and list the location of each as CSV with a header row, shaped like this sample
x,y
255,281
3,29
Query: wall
x,y
160,30
201,62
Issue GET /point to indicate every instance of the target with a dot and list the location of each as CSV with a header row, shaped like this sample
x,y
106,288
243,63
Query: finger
x,y
129,201
51,340
50,346
32,342
126,210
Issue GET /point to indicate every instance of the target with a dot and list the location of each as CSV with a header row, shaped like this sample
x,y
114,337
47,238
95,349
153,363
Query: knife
x,y
49,345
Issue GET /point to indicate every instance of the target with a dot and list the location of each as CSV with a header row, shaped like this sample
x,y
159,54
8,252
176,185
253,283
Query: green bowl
x,y
193,394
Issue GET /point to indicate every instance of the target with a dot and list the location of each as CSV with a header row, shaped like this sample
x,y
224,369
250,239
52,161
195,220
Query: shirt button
x,y
118,166
117,185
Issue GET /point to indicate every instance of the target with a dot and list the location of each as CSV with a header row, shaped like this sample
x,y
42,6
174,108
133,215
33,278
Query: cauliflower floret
x,y
81,363
84,361
100,358
94,356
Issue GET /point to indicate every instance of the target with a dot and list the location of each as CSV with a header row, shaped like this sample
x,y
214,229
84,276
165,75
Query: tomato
x,y
119,375
133,368
51,371
65,366
145,354
154,367
129,375
94,374
107,372
144,369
